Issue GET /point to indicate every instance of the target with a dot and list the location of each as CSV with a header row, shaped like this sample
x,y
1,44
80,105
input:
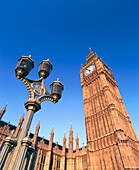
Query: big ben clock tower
x,y
111,140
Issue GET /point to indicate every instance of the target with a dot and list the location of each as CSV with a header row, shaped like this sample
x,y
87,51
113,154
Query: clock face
x,y
89,70
107,70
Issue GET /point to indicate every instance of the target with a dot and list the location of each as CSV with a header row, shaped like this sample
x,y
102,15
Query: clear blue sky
x,y
63,31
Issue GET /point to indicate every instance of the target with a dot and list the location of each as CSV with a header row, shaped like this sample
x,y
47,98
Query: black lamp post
x,y
37,94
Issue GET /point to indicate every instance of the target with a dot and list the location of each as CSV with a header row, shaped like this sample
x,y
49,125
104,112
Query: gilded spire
x,y
90,49
91,52
91,55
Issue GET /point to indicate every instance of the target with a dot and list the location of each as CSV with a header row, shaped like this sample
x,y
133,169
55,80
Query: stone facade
x,y
48,155
111,140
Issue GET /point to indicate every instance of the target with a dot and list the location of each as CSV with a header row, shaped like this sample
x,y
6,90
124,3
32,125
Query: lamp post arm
x,y
29,87
47,97
32,81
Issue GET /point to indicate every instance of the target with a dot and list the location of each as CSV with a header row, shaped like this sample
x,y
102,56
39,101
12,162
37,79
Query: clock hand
x,y
88,69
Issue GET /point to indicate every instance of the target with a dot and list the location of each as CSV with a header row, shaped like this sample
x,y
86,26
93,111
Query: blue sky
x,y
63,31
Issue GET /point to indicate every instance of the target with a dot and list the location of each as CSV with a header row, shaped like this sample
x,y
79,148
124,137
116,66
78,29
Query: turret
x,y
64,142
51,138
63,157
49,152
18,126
33,144
70,149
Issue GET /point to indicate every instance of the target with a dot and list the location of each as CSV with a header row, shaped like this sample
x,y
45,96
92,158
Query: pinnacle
x,y
38,125
64,138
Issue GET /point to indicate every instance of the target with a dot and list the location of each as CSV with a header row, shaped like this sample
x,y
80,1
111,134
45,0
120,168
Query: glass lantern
x,y
56,89
45,68
24,66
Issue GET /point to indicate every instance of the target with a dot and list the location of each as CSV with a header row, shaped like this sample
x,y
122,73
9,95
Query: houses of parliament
x,y
112,143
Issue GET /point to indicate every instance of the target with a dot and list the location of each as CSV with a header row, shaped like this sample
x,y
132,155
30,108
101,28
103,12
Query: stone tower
x,y
111,139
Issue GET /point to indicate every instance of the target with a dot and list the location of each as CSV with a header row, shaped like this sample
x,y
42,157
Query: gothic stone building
x,y
112,143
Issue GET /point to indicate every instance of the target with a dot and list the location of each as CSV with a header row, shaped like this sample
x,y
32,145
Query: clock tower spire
x,y
111,139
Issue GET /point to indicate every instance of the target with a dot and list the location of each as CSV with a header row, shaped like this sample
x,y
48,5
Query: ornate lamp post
x,y
37,94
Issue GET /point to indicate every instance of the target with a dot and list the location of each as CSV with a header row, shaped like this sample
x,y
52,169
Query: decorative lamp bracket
x,y
36,88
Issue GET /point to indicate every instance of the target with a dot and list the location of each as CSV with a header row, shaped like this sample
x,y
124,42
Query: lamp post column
x,y
32,106
26,142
